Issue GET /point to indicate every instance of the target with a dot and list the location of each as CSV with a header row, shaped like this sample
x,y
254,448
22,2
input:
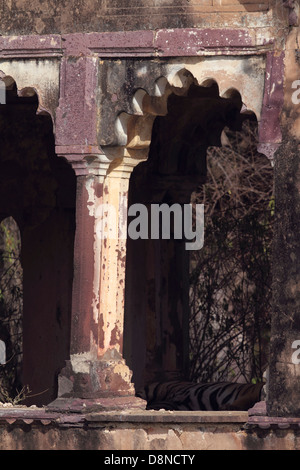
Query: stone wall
x,y
39,17
37,429
284,382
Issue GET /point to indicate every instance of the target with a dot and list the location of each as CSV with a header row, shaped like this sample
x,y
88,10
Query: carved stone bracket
x,y
85,160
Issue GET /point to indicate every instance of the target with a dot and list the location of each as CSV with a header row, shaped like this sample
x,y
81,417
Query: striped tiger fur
x,y
188,396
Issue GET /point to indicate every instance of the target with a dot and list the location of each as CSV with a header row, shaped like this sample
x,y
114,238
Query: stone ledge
x,y
75,415
162,416
258,418
90,413
89,405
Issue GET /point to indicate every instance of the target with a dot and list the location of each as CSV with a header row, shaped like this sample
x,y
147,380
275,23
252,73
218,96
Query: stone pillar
x,y
113,259
96,369
284,377
284,382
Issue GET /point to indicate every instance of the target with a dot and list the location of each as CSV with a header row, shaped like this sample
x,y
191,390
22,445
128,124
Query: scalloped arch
x,y
39,77
233,94
137,100
130,127
181,77
24,92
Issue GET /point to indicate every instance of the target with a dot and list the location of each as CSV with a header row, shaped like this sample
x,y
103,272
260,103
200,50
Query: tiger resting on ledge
x,y
187,396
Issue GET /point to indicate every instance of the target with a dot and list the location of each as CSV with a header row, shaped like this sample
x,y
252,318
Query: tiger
x,y
178,395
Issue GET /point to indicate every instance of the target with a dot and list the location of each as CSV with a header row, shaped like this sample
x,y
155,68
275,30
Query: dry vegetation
x,y
11,307
230,278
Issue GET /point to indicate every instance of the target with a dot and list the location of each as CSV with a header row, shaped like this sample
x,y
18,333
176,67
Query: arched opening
x,y
38,190
230,278
157,302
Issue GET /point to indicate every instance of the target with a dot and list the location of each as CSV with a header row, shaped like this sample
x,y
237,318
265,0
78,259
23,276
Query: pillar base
x,y
92,379
90,405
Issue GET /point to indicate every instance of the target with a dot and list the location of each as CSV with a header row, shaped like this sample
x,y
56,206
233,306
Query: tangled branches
x,y
11,309
230,277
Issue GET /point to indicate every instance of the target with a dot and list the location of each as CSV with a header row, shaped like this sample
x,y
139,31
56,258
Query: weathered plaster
x,y
244,74
81,362
40,76
71,16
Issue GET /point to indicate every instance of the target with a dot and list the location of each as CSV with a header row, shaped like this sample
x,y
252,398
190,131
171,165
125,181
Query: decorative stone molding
x,y
144,43
85,160
161,43
136,100
140,90
27,47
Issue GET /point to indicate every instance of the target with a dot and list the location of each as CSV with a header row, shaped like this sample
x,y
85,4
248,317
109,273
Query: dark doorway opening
x,y
38,190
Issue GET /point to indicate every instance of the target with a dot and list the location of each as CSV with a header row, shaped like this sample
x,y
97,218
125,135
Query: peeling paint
x,y
81,362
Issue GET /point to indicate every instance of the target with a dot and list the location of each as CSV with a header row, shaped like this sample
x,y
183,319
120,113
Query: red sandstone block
x,y
189,41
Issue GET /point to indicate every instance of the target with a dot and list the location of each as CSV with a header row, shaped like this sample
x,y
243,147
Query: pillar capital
x,y
124,160
85,160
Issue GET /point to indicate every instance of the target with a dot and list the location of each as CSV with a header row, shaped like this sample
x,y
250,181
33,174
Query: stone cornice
x,y
161,43
24,47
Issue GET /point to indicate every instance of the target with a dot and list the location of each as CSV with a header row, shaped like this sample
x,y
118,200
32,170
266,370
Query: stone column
x,y
96,370
113,229
284,376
